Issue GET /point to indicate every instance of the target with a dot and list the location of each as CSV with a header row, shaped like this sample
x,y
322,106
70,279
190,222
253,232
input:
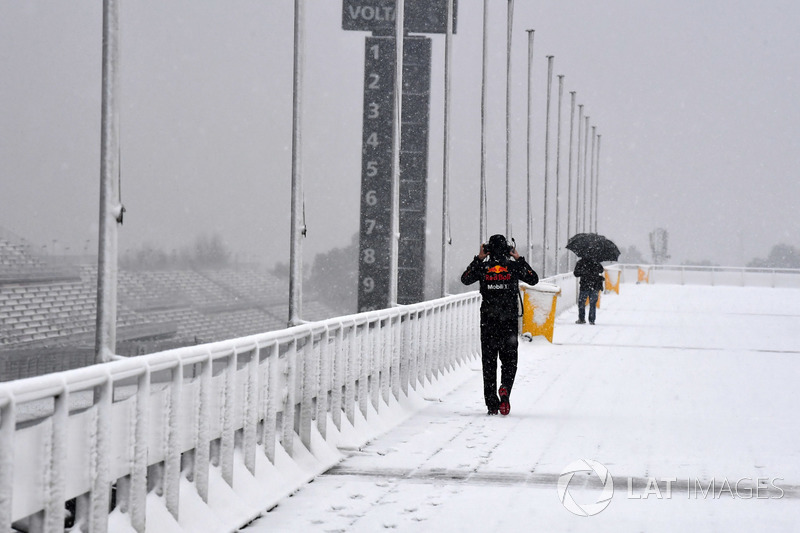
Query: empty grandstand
x,y
48,310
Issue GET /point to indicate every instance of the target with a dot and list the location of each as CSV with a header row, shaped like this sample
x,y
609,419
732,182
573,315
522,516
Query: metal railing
x,y
141,424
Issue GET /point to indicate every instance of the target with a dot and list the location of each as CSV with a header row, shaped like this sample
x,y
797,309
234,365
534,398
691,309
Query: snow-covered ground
x,y
677,386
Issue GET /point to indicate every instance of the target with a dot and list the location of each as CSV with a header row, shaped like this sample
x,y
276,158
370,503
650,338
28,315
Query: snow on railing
x,y
714,275
150,423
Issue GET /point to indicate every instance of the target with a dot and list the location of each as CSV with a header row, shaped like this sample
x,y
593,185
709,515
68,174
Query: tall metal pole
x,y
597,185
569,173
298,229
579,174
591,183
586,225
399,21
448,42
509,29
558,167
529,216
545,248
484,76
110,205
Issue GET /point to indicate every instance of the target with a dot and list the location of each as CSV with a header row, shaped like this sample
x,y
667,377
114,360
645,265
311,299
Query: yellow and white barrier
x,y
642,276
539,309
612,275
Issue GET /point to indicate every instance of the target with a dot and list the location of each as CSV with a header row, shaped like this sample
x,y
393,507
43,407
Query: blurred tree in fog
x,y
631,256
334,277
781,256
210,252
205,252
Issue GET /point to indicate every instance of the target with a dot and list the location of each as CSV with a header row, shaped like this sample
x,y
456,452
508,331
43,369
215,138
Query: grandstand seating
x,y
18,264
250,284
48,311
184,287
40,311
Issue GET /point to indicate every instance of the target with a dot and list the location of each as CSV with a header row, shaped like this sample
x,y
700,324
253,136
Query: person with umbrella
x,y
592,249
499,269
591,277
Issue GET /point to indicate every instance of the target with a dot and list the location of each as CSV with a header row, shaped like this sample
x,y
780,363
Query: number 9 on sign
x,y
369,284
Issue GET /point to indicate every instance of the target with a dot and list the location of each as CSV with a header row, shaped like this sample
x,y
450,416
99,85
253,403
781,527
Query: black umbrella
x,y
593,246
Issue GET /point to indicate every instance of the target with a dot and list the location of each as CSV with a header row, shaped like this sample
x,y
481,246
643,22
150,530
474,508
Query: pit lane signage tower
x,y
377,16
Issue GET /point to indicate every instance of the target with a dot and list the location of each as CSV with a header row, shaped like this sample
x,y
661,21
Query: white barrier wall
x,y
569,291
703,275
155,423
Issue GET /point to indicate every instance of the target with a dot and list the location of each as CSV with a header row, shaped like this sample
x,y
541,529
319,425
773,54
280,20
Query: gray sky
x,y
695,101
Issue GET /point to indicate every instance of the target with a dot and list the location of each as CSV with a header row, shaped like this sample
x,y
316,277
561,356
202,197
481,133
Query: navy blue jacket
x,y
591,274
499,283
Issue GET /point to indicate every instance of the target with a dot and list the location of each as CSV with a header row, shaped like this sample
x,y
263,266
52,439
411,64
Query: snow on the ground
x,y
691,383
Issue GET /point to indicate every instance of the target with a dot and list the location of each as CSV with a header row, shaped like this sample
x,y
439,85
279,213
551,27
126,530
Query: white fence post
x,y
351,374
375,364
403,354
289,395
324,382
8,423
226,448
364,358
424,366
101,450
172,459
386,349
54,482
339,375
251,411
141,428
270,427
310,383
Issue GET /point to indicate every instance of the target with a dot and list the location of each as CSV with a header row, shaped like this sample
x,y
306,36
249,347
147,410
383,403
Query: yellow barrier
x,y
539,309
611,275
643,277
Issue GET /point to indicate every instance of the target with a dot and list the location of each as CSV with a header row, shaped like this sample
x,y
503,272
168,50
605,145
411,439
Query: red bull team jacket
x,y
499,283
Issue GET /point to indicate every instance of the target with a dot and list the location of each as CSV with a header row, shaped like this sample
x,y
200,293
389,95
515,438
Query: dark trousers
x,y
593,296
498,339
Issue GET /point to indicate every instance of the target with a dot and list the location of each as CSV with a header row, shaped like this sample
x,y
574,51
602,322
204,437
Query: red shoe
x,y
505,405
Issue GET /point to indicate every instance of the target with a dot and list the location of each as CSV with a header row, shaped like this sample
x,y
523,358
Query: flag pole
x,y
110,206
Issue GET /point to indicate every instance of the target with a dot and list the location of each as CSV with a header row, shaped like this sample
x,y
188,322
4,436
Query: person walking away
x,y
591,277
499,269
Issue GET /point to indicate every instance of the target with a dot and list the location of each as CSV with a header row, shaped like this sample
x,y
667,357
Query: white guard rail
x,y
142,424
714,275
569,291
